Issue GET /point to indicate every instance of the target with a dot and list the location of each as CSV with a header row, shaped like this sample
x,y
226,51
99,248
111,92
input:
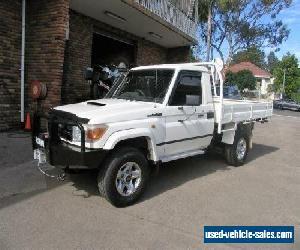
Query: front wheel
x,y
124,176
236,153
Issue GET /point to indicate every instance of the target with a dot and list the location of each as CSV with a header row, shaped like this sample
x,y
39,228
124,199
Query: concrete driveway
x,y
42,213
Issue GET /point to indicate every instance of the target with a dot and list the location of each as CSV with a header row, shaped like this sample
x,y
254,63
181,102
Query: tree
x,y
289,65
230,78
251,54
244,79
205,15
209,28
272,61
240,24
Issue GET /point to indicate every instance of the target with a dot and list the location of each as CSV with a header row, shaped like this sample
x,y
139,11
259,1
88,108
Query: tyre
x,y
124,176
236,154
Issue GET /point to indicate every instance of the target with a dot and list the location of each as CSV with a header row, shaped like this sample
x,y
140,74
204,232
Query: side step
x,y
226,130
182,155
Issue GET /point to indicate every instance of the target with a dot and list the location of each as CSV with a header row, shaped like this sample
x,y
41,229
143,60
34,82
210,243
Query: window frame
x,y
181,74
116,88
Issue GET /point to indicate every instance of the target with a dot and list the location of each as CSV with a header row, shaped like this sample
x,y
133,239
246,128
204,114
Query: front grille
x,y
65,131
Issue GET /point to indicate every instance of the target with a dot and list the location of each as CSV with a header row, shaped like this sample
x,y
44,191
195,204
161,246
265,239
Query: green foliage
x,y
272,62
295,97
203,7
289,64
270,88
230,77
244,79
251,54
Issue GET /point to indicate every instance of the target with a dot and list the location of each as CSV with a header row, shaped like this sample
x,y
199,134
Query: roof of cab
x,y
182,66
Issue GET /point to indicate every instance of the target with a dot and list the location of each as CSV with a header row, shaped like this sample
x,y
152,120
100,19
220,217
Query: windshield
x,y
143,85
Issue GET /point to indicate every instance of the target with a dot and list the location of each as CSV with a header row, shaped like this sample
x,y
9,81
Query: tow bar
x,y
40,156
59,177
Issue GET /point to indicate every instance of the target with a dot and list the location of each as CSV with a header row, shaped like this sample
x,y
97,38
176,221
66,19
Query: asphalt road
x,y
287,113
42,213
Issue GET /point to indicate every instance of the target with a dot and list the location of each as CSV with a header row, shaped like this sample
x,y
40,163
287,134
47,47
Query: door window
x,y
188,86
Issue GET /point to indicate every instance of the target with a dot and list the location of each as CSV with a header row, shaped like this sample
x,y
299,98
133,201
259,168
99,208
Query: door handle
x,y
180,108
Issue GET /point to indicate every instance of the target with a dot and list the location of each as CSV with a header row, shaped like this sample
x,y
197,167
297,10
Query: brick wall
x,y
45,46
79,48
149,53
78,56
51,59
10,58
179,55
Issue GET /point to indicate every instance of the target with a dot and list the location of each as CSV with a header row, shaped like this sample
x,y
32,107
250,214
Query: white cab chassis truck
x,y
156,114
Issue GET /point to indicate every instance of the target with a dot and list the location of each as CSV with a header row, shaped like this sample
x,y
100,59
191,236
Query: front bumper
x,y
58,152
62,155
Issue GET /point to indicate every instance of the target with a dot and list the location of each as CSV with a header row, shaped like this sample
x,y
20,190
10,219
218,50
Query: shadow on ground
x,y
172,174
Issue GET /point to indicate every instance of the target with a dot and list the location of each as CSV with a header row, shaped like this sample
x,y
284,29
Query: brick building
x,y
63,37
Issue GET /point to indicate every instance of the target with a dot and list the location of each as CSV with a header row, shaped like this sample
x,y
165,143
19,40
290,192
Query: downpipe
x,y
23,61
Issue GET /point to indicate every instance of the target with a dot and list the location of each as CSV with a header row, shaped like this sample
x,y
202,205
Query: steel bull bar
x,y
46,141
53,119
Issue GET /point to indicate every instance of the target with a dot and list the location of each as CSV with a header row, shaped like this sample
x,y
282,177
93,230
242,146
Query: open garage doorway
x,y
107,50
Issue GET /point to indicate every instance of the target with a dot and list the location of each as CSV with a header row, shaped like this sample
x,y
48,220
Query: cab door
x,y
186,116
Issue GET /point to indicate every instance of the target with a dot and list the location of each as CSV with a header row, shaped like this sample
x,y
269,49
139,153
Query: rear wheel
x,y
236,154
124,176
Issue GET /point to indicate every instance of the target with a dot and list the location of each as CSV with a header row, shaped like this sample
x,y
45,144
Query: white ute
x,y
157,114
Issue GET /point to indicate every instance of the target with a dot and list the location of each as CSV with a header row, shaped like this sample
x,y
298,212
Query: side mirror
x,y
88,73
192,100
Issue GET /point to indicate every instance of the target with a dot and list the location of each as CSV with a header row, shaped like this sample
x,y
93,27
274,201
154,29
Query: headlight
x,y
92,133
95,133
76,134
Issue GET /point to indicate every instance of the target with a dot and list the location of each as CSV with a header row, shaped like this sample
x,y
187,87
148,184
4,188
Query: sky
x,y
291,17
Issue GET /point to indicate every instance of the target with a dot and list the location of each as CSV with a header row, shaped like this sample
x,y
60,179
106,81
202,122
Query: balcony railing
x,y
168,12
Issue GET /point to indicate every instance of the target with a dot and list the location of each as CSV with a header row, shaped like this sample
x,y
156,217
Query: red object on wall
x,y
38,90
